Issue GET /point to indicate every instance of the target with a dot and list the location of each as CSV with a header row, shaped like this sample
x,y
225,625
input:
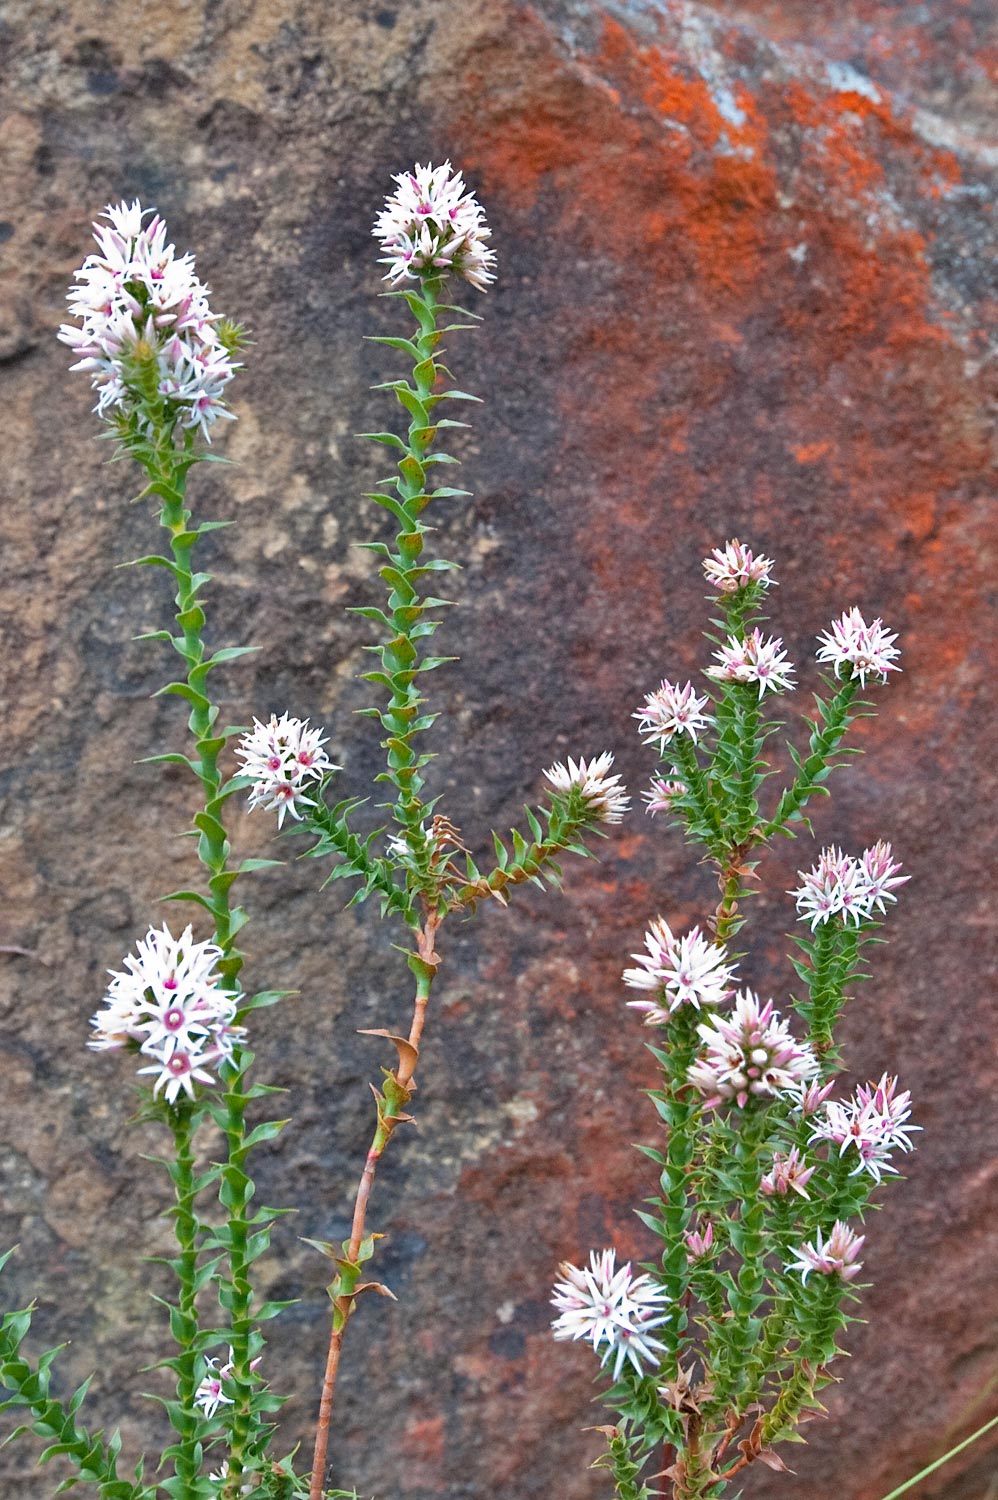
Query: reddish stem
x,y
383,1134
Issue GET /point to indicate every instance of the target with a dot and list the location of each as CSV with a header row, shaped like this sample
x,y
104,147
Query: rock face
x,y
747,288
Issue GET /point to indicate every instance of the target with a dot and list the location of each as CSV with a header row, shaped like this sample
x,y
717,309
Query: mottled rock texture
x,y
747,287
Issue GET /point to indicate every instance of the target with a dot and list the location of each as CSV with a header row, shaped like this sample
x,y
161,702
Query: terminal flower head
x,y
854,649
285,758
874,1122
754,660
836,1256
853,889
750,1053
689,970
670,711
432,225
147,336
734,567
612,1308
603,798
168,1004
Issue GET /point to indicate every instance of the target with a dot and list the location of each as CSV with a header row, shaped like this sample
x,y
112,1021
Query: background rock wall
x,y
747,287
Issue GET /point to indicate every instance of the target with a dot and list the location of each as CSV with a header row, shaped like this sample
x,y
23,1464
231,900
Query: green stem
x,y
745,809
677,1104
683,755
825,739
818,1331
909,1484
732,1344
628,1484
833,952
236,1291
402,661
183,1318
168,477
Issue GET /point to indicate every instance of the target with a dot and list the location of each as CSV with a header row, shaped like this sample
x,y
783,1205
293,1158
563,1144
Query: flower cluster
x,y
169,1004
835,1256
669,711
754,660
145,320
863,649
662,794
734,567
750,1054
610,1307
284,757
602,796
854,889
431,225
682,971
873,1122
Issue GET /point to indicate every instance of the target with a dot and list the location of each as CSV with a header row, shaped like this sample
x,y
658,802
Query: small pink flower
x,y
603,797
611,1308
873,1122
432,224
754,661
285,759
788,1173
750,1054
859,649
689,970
734,567
670,711
699,1243
836,1256
662,794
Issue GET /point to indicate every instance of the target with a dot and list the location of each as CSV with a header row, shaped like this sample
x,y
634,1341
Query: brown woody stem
x,y
389,1115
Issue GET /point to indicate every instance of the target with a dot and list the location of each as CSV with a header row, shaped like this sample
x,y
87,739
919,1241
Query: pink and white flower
x,y
689,970
603,798
789,1173
431,225
836,1256
662,794
873,1122
138,297
168,1004
853,889
285,759
734,567
858,649
752,661
700,1242
750,1054
209,1395
613,1309
880,875
670,711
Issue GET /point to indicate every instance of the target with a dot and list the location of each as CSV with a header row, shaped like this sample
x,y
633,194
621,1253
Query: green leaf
x,y
389,439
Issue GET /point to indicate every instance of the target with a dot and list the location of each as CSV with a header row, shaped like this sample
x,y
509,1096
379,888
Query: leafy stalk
x,y
835,715
168,468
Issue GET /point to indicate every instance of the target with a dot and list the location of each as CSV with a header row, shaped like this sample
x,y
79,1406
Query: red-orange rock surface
x,y
747,287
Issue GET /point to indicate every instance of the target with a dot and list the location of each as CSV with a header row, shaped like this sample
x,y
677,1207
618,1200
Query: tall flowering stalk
x,y
431,231
161,361
717,1351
